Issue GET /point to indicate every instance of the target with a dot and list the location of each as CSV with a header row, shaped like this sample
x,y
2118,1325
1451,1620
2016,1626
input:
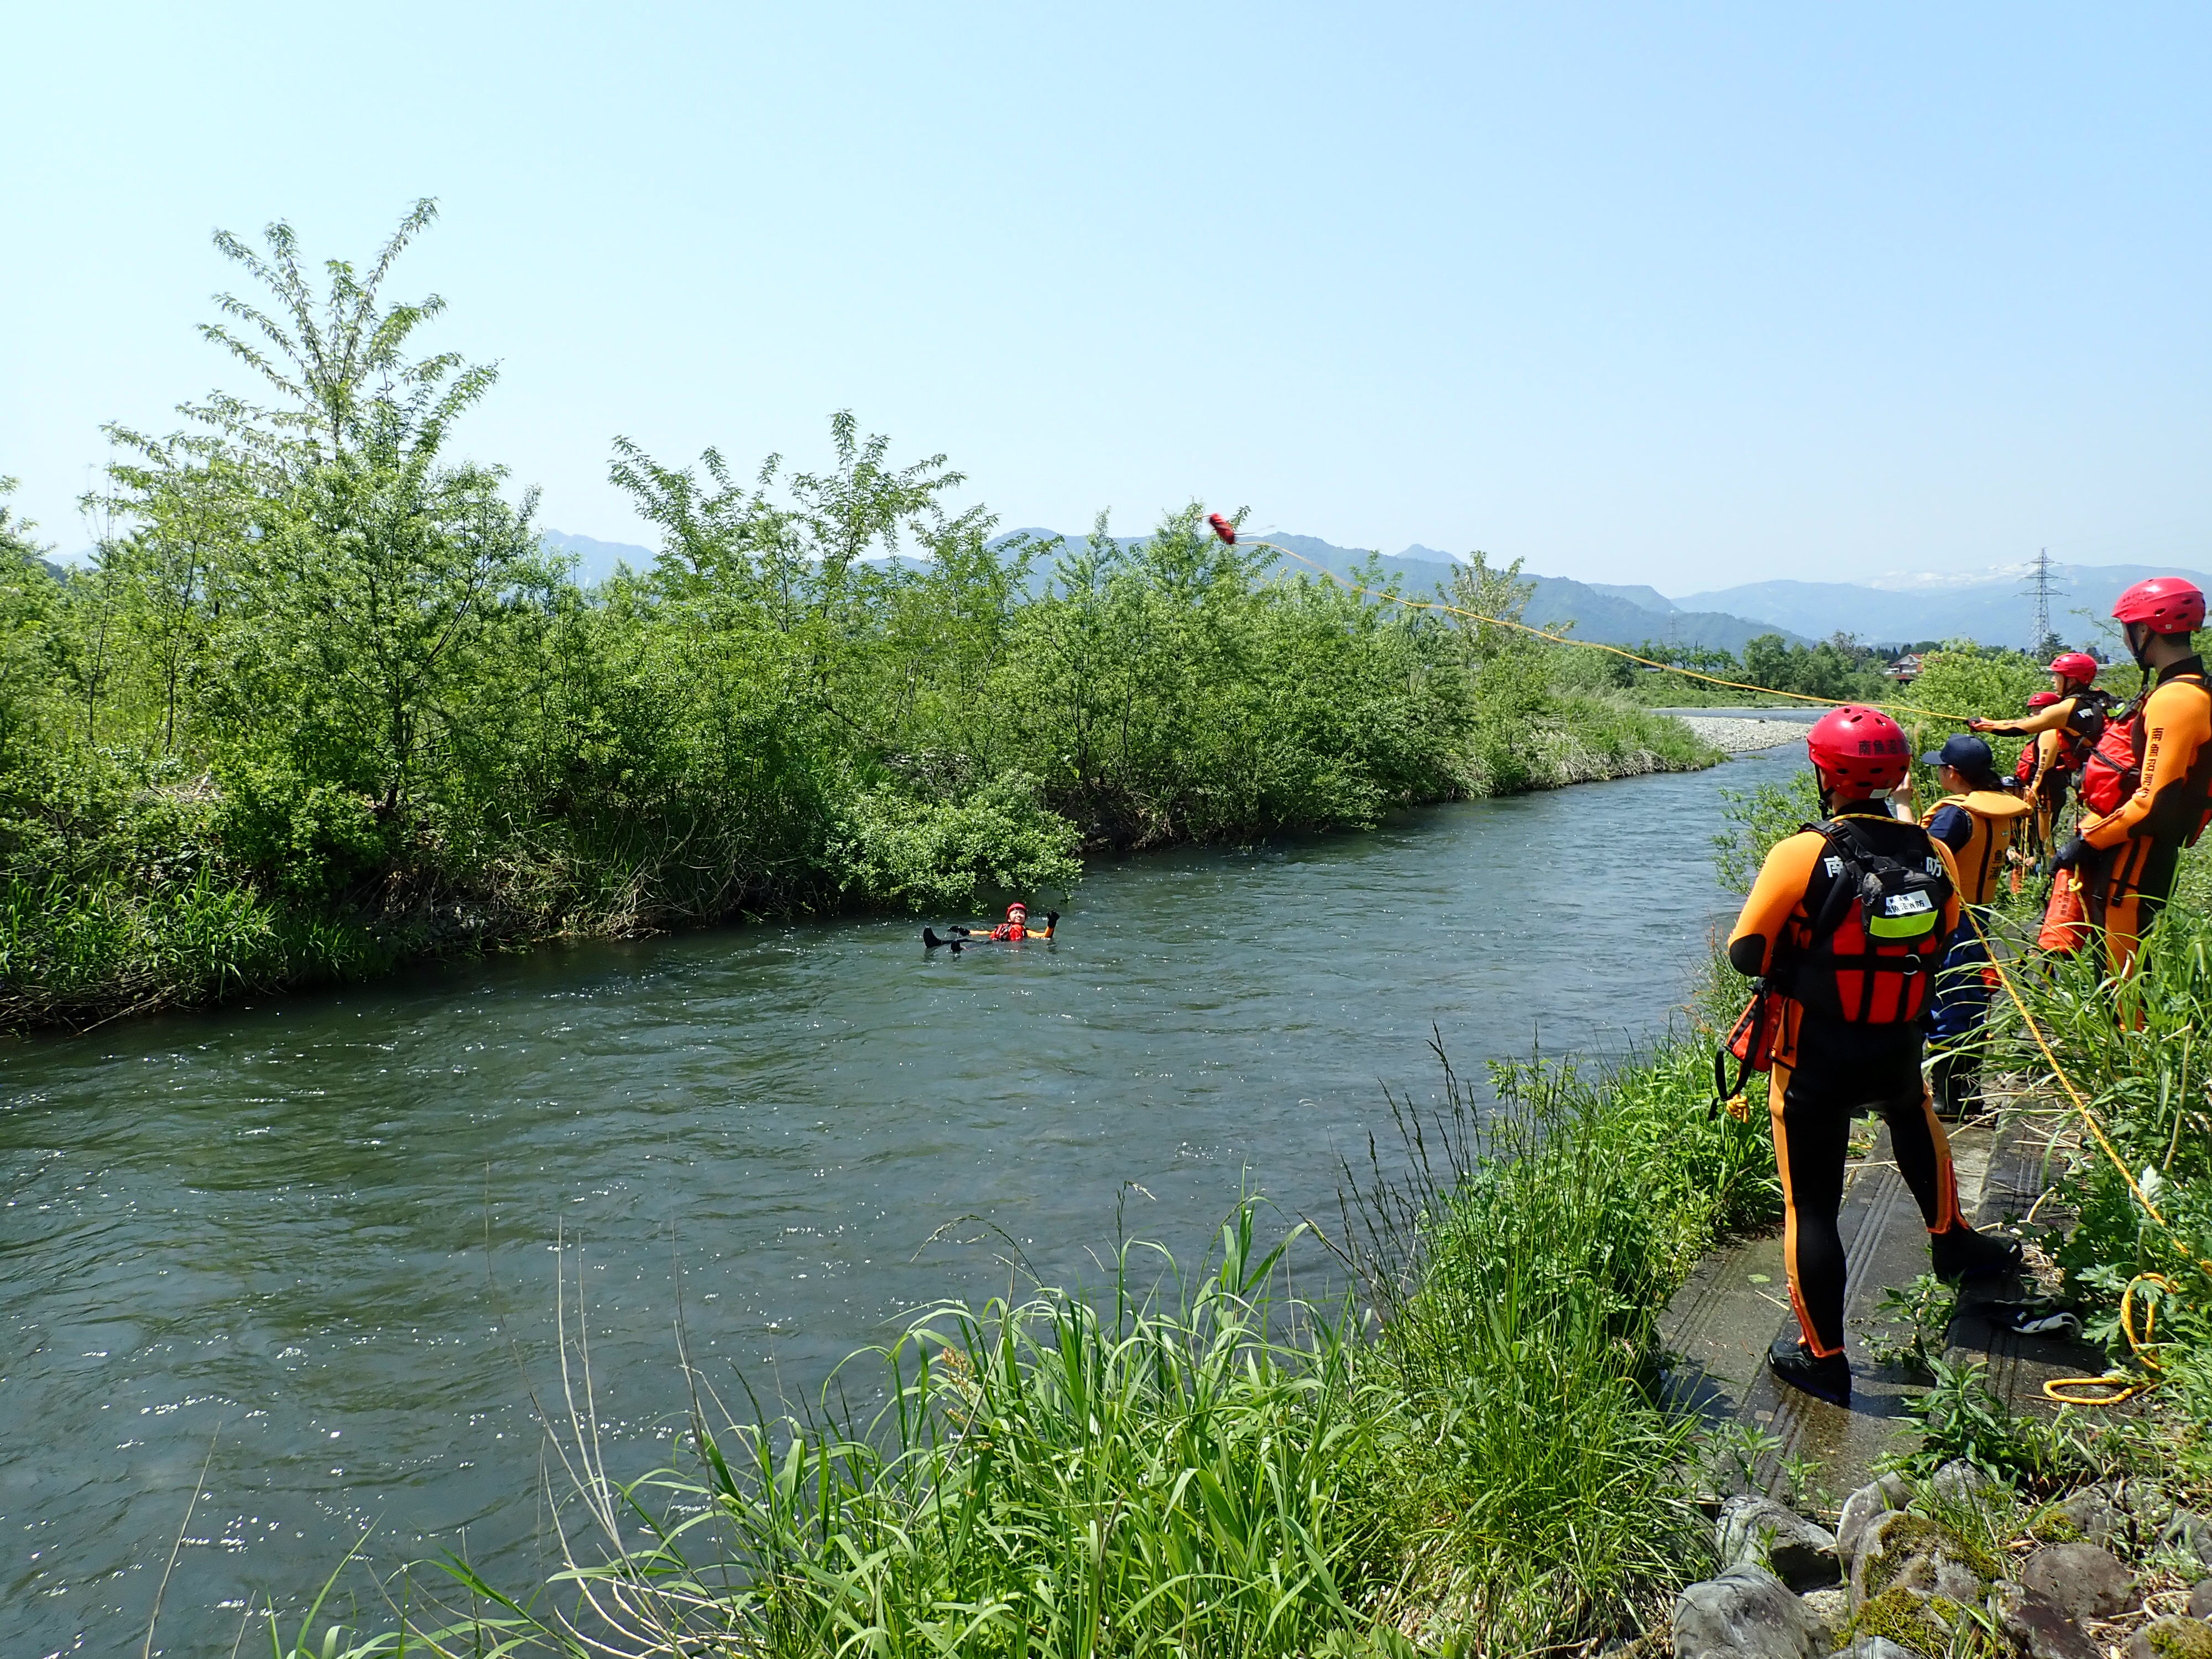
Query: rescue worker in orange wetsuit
x,y
2064,730
1976,820
2128,851
1848,921
2040,781
1017,924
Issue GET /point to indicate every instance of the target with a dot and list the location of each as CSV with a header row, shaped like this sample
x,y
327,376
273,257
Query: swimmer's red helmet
x,y
1017,908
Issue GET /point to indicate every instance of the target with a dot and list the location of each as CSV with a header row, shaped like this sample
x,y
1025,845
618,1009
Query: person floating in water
x,y
1017,924
1014,928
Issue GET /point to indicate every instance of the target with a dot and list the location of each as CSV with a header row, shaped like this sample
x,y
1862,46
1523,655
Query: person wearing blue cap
x,y
1977,819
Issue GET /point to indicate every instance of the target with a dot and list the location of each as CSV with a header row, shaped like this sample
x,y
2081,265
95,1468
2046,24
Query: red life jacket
x,y
2026,769
1876,936
2112,771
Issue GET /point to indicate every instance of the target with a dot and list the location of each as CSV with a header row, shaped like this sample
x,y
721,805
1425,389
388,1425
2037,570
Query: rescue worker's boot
x,y
1941,1064
1955,1081
1828,1379
1961,1253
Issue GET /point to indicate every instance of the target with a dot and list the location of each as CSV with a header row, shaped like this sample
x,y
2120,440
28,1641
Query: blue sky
x,y
1691,294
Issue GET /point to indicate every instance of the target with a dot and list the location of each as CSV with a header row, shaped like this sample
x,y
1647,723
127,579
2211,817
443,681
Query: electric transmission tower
x,y
2039,589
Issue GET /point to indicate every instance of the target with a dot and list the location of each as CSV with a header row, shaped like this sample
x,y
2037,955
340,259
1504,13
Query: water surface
x,y
318,1235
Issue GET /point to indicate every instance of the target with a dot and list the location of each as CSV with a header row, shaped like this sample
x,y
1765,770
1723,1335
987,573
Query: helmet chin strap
x,y
1832,793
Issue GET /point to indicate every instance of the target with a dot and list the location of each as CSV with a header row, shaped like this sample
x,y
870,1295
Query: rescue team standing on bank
x,y
1858,925
2148,782
2065,722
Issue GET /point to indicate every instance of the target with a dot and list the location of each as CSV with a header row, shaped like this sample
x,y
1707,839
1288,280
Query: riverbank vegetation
x,y
2136,1242
1838,669
322,703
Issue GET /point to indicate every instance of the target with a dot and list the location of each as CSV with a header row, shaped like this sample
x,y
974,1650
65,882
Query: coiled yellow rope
x,y
2119,1386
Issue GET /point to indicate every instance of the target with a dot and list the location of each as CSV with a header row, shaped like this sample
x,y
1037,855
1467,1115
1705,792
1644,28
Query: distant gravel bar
x,y
1741,734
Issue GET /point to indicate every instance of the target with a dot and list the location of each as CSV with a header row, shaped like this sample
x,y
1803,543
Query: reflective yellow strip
x,y
1916,926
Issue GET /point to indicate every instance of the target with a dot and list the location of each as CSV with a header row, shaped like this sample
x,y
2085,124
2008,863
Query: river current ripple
x,y
320,1234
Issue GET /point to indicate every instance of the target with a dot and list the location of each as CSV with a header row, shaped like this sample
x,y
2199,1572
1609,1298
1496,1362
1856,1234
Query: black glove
x,y
2070,855
1051,920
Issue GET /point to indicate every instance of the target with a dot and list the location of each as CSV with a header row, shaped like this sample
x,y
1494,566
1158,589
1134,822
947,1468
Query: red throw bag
x,y
2065,919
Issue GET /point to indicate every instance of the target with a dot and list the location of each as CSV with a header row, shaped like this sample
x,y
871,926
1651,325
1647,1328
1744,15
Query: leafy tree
x,y
355,573
338,362
1767,662
29,596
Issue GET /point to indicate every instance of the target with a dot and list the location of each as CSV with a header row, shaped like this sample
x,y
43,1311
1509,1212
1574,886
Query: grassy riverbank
x,y
322,704
2145,1085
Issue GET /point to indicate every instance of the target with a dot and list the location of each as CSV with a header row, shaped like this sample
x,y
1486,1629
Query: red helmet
x,y
1017,908
1858,750
2043,699
2169,603
2076,665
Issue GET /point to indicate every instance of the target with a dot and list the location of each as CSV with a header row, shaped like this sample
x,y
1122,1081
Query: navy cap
x,y
1967,753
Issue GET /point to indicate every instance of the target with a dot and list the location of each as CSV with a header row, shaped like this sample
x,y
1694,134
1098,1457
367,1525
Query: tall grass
x,y
1520,1263
72,950
1466,1450
2140,1052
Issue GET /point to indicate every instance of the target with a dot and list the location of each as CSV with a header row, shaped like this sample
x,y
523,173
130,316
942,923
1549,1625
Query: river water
x,y
312,1243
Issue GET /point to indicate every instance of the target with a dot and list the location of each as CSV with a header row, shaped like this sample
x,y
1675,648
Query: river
x,y
318,1235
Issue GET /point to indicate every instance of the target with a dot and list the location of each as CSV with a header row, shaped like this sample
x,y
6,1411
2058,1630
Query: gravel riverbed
x,y
1741,734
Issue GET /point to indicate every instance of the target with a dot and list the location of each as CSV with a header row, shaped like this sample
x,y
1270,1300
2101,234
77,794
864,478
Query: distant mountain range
x,y
1991,607
1605,614
595,560
1994,608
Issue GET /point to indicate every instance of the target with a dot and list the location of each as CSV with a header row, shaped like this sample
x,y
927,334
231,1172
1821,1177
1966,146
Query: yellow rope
x,y
2089,1117
1596,645
2119,1386
2122,1388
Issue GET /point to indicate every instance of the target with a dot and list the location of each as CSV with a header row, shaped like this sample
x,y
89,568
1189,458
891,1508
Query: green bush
x,y
1964,678
941,855
305,841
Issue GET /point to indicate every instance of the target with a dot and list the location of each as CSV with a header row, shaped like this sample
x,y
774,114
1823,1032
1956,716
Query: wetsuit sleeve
x,y
2042,720
2177,744
1949,824
1954,907
1780,889
2046,757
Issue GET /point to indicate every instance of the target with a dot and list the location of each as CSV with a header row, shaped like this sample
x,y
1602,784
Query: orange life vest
x,y
1993,817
